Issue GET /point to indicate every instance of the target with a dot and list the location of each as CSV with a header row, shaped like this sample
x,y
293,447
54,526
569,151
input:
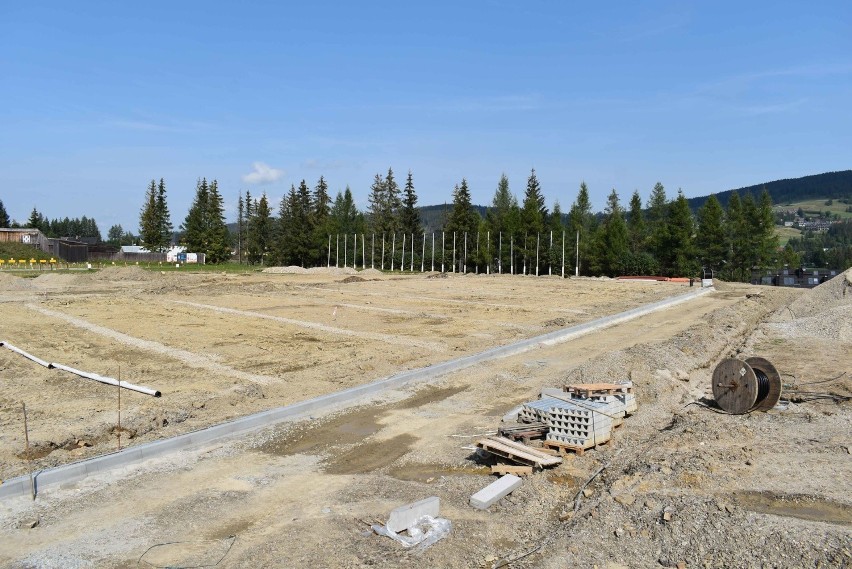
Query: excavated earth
x,y
683,484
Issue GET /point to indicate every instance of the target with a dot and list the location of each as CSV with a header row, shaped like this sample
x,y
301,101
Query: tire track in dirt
x,y
387,338
188,358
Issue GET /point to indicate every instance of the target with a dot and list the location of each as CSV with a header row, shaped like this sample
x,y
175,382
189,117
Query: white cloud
x,y
263,174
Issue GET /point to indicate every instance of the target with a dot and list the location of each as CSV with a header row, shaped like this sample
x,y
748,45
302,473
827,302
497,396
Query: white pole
x,y
345,248
328,264
512,254
549,260
464,260
454,251
500,254
373,252
537,241
411,264
383,250
563,254
393,250
488,265
363,251
402,262
443,249
355,252
337,252
577,266
423,256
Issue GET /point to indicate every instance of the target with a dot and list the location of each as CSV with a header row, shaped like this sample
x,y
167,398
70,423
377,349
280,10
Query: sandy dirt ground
x,y
683,483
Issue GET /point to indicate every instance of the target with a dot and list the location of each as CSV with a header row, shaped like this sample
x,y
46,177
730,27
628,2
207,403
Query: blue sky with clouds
x,y
97,98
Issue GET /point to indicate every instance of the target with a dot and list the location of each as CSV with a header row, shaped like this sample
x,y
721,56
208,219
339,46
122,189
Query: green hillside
x,y
21,251
834,185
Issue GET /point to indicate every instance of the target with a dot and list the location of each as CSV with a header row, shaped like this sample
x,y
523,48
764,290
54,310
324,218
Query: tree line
x,y
73,228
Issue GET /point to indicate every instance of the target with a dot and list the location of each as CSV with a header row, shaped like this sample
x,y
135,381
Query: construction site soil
x,y
683,484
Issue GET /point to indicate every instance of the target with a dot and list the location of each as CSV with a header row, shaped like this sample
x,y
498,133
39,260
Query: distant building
x,y
800,278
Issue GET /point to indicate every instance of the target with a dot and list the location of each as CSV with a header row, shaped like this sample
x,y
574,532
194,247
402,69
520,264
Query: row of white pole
x,y
393,267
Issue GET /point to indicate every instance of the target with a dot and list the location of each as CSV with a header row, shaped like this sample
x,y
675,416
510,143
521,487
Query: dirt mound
x,y
826,296
54,280
291,270
112,274
371,272
11,282
332,270
354,279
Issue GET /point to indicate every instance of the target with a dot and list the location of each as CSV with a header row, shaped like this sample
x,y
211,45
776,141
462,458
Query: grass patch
x,y
817,207
21,251
786,233
229,267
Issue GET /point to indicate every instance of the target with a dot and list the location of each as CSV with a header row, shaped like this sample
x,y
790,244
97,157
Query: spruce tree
x,y
502,220
463,218
259,231
37,221
344,214
764,227
409,215
280,253
164,219
614,238
320,222
658,209
711,239
148,222
680,244
636,224
377,206
582,221
194,227
4,215
241,228
533,214
737,230
218,237
393,202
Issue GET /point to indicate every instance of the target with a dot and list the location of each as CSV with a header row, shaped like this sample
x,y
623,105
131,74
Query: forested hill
x,y
833,185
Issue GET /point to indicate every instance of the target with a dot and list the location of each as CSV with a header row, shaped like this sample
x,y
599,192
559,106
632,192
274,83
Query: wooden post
x,y
29,455
119,407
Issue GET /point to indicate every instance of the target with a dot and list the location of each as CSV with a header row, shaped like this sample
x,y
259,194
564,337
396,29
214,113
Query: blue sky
x,y
98,98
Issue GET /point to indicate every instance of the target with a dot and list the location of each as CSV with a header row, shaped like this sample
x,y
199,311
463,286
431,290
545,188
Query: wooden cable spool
x,y
742,386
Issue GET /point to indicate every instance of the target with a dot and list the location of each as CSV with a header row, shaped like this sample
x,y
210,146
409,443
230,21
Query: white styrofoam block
x,y
498,489
404,517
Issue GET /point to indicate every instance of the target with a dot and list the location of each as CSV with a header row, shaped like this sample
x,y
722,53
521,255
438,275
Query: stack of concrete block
x,y
582,424
538,411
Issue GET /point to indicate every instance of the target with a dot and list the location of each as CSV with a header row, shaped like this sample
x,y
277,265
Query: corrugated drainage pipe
x,y
107,380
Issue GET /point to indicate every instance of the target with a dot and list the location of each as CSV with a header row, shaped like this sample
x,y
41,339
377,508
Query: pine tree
x,y
409,215
164,220
556,227
463,218
194,227
37,220
148,229
712,239
4,215
614,238
115,234
345,218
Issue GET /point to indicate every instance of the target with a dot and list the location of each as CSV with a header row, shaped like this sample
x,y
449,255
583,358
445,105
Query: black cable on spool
x,y
762,385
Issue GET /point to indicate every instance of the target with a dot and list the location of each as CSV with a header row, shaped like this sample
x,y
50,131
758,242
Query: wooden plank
x,y
517,452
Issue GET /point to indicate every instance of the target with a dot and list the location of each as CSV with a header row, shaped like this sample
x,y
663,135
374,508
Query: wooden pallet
x,y
524,432
563,448
517,452
502,469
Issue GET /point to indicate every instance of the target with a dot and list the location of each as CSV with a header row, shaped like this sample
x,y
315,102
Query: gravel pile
x,y
291,270
822,312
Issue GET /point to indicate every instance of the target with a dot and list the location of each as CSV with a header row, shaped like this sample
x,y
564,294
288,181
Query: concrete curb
x,y
73,472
